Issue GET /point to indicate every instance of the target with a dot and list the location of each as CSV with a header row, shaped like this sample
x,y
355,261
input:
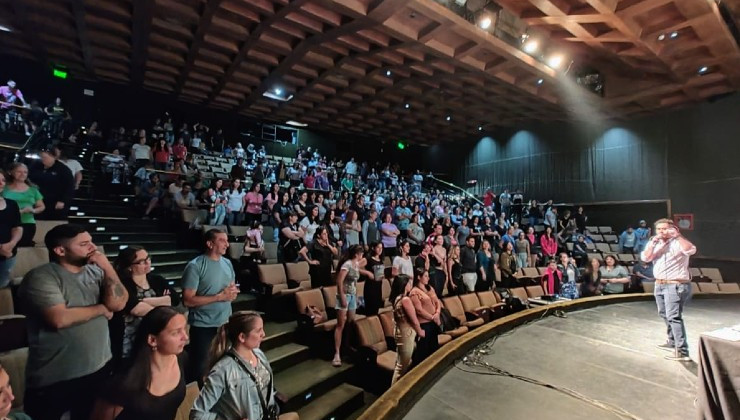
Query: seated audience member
x,y
27,196
643,271
552,279
320,255
11,232
7,397
240,384
580,251
68,304
427,307
146,291
613,276
154,387
591,279
406,325
115,167
56,184
627,241
208,288
151,194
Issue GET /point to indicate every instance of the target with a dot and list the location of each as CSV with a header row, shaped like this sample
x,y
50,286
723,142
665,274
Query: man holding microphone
x,y
670,252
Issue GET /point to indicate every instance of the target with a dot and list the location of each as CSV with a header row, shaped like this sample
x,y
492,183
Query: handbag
x,y
448,321
268,413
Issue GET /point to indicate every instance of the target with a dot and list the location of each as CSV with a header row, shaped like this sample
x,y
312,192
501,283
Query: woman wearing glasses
x,y
146,291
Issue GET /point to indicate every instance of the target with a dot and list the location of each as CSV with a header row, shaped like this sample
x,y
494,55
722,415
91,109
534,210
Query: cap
x,y
642,221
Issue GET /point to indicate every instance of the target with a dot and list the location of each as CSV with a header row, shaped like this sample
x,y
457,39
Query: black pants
x,y
74,395
29,230
628,250
200,343
437,281
427,345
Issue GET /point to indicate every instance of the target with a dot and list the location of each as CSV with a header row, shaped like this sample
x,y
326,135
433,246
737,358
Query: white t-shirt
x,y
235,199
73,166
141,151
310,228
404,266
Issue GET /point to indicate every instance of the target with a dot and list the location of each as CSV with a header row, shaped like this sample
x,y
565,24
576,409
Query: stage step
x,y
308,380
338,403
287,355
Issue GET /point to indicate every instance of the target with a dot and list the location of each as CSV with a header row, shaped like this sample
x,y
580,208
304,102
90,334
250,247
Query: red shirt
x,y
162,156
179,150
488,199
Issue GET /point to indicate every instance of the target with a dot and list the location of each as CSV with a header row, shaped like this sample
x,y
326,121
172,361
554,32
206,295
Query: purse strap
x,y
244,367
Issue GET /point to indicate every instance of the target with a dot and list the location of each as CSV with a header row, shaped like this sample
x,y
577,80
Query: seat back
x,y
268,233
695,288
594,255
14,363
534,291
274,275
311,297
386,321
360,289
695,272
13,332
614,248
222,228
271,252
238,231
298,272
26,260
454,305
386,292
611,238
6,302
191,394
603,248
470,302
648,286
370,334
627,258
236,250
43,227
729,287
714,274
330,296
605,229
487,298
708,287
530,272
521,293
592,229
189,216
597,237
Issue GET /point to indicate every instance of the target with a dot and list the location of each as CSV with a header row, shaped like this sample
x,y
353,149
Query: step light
x,y
80,213
114,238
308,396
93,221
120,247
100,229
74,208
125,200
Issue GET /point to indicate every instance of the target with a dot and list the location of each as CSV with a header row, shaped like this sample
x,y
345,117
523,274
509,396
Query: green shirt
x,y
208,278
24,199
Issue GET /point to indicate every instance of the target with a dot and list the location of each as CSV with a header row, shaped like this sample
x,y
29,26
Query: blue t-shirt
x,y
208,278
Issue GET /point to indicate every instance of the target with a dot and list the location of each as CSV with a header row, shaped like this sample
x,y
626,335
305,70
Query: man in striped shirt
x,y
670,252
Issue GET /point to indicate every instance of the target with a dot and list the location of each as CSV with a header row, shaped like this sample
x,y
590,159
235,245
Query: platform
x,y
606,354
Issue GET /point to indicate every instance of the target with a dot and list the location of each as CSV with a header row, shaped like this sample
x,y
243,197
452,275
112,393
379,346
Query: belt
x,y
664,281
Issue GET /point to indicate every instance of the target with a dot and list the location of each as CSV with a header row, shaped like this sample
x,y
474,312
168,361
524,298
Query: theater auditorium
x,y
369,209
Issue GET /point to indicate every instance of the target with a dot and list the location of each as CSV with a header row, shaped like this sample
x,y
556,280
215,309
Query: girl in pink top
x,y
253,203
548,243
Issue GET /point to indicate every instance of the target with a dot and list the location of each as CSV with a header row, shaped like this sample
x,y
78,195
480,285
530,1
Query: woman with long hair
x,y
240,384
440,276
217,199
335,227
591,279
415,234
352,228
427,307
27,196
374,285
522,250
402,262
534,247
548,243
280,211
311,222
614,276
154,386
161,153
235,203
454,270
320,255
406,324
146,291
486,263
507,265
552,279
253,203
348,272
568,268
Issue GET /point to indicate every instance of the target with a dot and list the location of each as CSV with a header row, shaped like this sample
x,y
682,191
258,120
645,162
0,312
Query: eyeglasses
x,y
145,261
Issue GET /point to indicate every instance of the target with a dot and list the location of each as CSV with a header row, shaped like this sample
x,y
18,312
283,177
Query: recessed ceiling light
x,y
407,106
278,91
485,23
530,47
703,69
296,123
540,81
674,34
555,61
480,128
449,118
4,28
661,37
388,73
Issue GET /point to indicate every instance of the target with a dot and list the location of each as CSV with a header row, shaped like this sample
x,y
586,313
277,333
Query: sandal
x,y
337,362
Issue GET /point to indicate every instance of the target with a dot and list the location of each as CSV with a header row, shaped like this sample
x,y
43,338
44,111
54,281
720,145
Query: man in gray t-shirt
x,y
68,303
208,289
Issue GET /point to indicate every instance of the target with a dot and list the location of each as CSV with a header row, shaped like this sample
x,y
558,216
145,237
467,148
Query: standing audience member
x,y
454,272
427,307
402,262
352,228
74,166
373,292
208,289
290,241
439,279
370,231
235,203
507,265
415,234
141,153
549,244
68,304
643,235
486,264
569,271
162,152
389,233
11,232
27,196
253,203
56,185
522,250
348,273
469,263
310,223
627,241
406,325
154,387
320,255
552,278
217,199
591,279
240,384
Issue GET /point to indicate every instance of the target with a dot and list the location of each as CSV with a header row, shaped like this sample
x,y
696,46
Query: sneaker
x,y
666,347
678,357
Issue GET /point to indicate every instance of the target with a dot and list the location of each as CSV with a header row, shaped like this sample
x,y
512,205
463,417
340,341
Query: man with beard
x,y
68,303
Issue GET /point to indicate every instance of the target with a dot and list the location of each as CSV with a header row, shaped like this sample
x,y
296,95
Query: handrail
x,y
401,397
11,147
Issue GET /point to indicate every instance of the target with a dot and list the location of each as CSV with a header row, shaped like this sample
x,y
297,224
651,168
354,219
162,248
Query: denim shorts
x,y
351,302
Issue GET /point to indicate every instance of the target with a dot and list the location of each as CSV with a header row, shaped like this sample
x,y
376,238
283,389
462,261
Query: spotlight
x,y
540,81
485,23
4,28
388,73
530,47
703,69
661,37
674,34
555,61
407,106
278,91
480,128
449,118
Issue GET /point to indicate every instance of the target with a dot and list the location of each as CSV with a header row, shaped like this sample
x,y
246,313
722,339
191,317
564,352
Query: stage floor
x,y
606,353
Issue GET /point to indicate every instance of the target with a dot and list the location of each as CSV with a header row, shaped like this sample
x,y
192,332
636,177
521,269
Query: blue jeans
x,y
5,267
234,218
671,299
217,217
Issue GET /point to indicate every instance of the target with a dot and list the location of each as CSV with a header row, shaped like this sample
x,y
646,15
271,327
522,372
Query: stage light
x,y
703,70
4,28
540,81
674,34
555,61
530,47
661,37
485,23
449,118
388,73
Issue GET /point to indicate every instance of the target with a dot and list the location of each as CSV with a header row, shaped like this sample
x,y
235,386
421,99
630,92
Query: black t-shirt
x,y
10,217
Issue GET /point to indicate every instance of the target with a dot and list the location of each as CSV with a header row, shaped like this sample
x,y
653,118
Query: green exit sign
x,y
60,73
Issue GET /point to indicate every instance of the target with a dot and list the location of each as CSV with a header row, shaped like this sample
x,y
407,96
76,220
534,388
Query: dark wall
x,y
689,156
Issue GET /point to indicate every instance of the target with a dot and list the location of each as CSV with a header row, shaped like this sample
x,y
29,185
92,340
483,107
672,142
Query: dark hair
x,y
139,376
401,244
59,236
372,246
418,274
348,255
125,259
210,235
398,287
318,232
255,224
228,334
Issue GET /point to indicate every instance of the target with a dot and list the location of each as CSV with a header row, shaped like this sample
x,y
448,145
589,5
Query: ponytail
x,y
219,346
227,335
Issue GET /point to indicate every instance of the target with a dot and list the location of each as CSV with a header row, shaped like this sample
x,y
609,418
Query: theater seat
x,y
26,260
6,302
443,339
236,249
488,298
42,228
298,273
388,324
272,276
534,291
239,232
14,363
729,287
454,305
313,297
520,293
370,335
268,233
713,274
271,252
708,287
695,288
191,394
648,286
13,332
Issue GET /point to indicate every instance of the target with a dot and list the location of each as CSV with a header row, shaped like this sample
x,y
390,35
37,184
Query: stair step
x,y
245,302
277,333
309,380
99,236
163,257
287,355
148,244
369,399
338,403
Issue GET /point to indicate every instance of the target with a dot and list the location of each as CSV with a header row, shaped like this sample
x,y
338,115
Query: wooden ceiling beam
x,y
141,29
22,10
204,24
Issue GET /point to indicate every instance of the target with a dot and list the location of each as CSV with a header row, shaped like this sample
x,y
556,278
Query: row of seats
x,y
599,229
701,287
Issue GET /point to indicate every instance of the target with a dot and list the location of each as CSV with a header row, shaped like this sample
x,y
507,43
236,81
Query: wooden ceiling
x,y
381,68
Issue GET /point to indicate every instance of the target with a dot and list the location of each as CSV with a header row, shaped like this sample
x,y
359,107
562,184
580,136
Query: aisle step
x,y
339,403
118,236
309,380
278,334
152,245
287,355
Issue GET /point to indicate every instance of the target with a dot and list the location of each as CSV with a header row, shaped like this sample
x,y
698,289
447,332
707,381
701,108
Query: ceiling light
x,y
388,73
407,106
485,23
555,61
4,28
674,34
530,47
296,123
480,128
661,37
540,81
703,69
278,91
449,118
